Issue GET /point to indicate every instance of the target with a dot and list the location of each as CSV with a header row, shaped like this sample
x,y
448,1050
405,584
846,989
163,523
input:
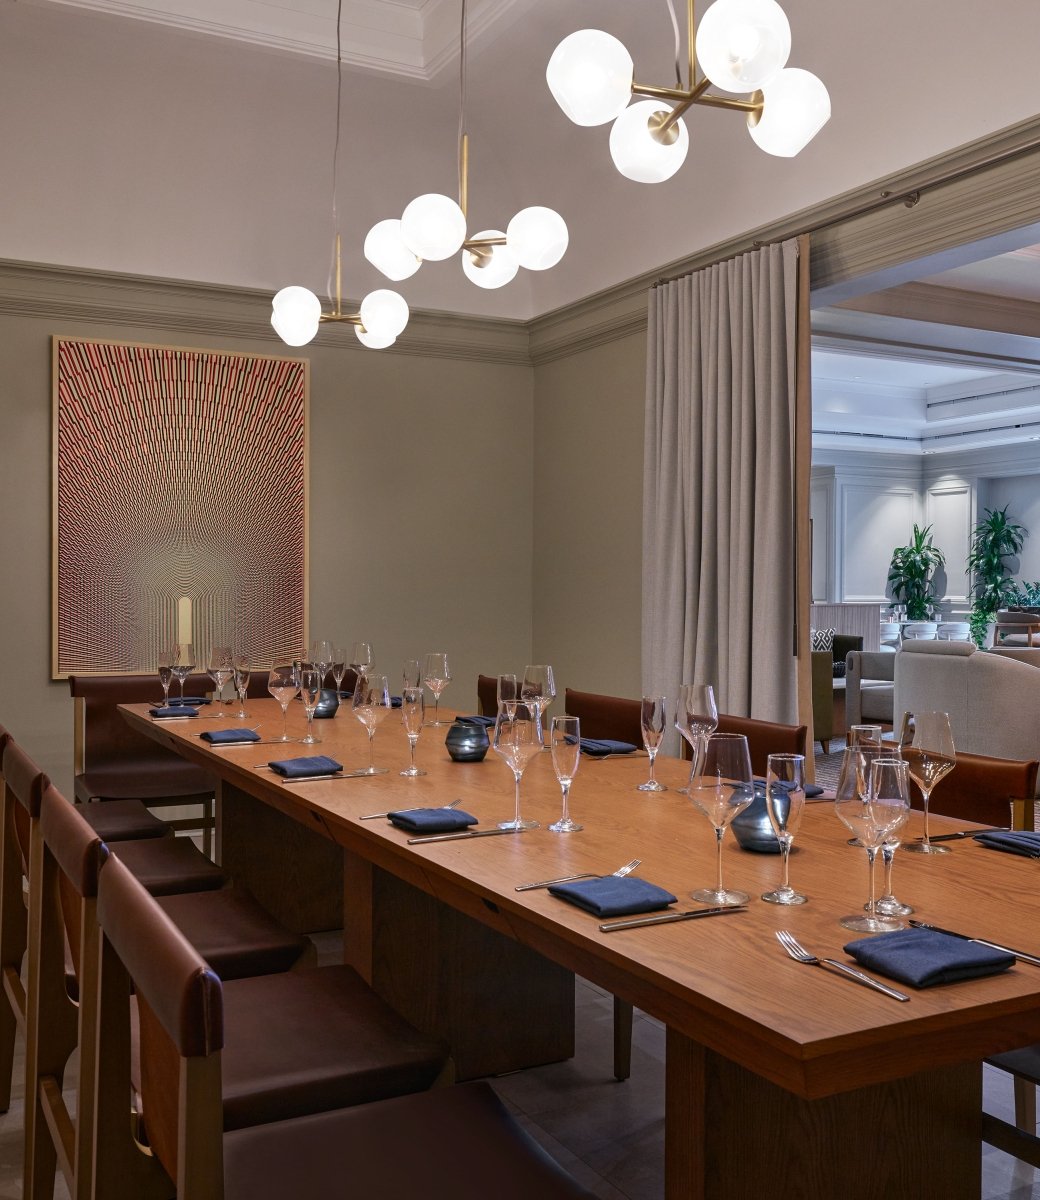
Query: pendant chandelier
x,y
296,311
433,226
742,46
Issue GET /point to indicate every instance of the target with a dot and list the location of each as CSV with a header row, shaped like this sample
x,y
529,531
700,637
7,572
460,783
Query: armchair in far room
x,y
869,687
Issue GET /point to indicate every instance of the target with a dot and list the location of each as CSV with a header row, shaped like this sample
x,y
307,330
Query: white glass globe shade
x,y
371,341
384,313
433,226
637,154
537,237
590,76
743,44
796,107
497,271
295,314
386,251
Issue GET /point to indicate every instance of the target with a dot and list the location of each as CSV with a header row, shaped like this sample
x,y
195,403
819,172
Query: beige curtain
x,y
719,503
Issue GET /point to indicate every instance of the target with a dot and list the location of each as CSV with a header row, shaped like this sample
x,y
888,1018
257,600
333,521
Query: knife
x,y
965,833
547,883
666,918
1032,959
457,837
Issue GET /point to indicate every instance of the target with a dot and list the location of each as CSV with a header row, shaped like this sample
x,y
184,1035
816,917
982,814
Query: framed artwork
x,y
179,504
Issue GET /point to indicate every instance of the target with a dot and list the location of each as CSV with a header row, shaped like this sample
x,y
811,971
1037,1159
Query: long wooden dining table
x,y
782,1081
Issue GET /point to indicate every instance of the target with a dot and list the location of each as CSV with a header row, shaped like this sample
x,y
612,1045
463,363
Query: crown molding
x,y
952,306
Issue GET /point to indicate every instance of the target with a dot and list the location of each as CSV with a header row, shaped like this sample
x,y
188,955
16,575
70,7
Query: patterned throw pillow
x,y
822,639
839,670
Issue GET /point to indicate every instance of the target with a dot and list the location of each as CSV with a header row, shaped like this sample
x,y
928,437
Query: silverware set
x,y
669,918
461,837
376,816
798,952
620,873
1021,955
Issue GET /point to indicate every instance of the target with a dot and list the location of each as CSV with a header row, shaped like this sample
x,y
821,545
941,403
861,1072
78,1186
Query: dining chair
x,y
612,717
991,791
765,738
21,777
487,695
953,631
890,635
920,631
456,1142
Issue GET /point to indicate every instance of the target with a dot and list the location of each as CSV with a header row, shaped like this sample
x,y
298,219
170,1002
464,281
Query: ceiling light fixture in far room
x,y
296,312
433,226
742,46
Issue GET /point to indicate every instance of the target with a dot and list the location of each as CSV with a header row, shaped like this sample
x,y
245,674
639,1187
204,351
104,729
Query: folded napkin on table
x,y
483,722
316,764
176,701
613,897
396,702
1014,842
227,737
923,958
811,789
598,747
431,820
173,710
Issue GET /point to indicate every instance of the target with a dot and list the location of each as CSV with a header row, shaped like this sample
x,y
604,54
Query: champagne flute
x,y
565,743
413,709
895,779
184,664
321,657
240,664
696,718
722,787
339,667
167,657
437,675
538,690
371,705
785,801
411,674
652,719
873,811
310,692
508,691
283,683
516,740
360,658
926,746
220,670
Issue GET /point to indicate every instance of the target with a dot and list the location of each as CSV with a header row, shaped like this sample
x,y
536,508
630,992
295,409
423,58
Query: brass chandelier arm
x,y
464,174
337,313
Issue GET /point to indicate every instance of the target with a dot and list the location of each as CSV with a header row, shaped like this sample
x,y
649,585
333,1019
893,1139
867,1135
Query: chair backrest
x,y
992,791
606,716
487,695
765,738
25,784
953,631
890,631
920,631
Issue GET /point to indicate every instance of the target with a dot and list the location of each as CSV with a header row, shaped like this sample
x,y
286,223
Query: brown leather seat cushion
x,y
231,931
454,1143
175,780
120,820
169,866
314,1040
1025,1062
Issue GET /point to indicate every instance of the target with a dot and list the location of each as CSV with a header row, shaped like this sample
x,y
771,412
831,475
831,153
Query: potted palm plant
x,y
994,540
911,571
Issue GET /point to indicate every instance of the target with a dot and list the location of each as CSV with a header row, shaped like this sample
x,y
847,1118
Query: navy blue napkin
x,y
613,897
482,722
1014,842
227,737
812,790
599,747
924,958
195,701
296,768
431,820
173,710
396,702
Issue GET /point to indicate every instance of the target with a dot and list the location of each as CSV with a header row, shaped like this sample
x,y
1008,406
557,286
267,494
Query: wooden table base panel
x,y
735,1135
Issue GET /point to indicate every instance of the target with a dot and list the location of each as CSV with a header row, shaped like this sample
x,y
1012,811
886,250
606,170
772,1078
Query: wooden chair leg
x,y
622,1039
1025,1105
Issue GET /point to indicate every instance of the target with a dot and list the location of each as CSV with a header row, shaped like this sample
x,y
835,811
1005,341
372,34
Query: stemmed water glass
x,y
283,683
722,787
167,656
371,705
785,802
508,692
413,709
538,690
437,675
696,718
310,692
926,746
360,658
887,904
183,664
565,743
322,656
877,808
411,674
339,667
240,664
516,740
864,745
652,719
220,670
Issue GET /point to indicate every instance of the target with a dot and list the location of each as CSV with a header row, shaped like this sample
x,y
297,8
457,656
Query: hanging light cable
x,y
296,312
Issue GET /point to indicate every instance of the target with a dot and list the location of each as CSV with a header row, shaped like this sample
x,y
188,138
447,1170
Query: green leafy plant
x,y
911,571
994,540
1027,594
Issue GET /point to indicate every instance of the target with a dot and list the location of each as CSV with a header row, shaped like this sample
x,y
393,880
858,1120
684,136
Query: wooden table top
x,y
725,981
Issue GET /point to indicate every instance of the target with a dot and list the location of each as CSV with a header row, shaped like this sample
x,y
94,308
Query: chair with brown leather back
x,y
765,738
487,695
610,717
992,791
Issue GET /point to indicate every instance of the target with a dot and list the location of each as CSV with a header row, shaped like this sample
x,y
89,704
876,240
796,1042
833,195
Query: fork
x,y
620,873
376,816
798,952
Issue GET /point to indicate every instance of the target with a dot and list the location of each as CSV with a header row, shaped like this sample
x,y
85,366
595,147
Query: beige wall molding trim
x,y
953,306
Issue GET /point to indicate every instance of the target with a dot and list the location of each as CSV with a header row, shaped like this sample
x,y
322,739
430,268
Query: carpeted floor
x,y
827,768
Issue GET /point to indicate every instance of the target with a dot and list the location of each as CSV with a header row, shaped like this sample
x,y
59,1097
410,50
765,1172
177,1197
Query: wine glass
x,y
507,691
785,801
220,670
887,904
240,664
411,674
565,743
696,718
183,664
371,705
722,787
167,656
339,667
310,692
652,720
360,658
875,809
283,682
864,745
321,657
516,740
413,709
926,746
538,690
437,675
